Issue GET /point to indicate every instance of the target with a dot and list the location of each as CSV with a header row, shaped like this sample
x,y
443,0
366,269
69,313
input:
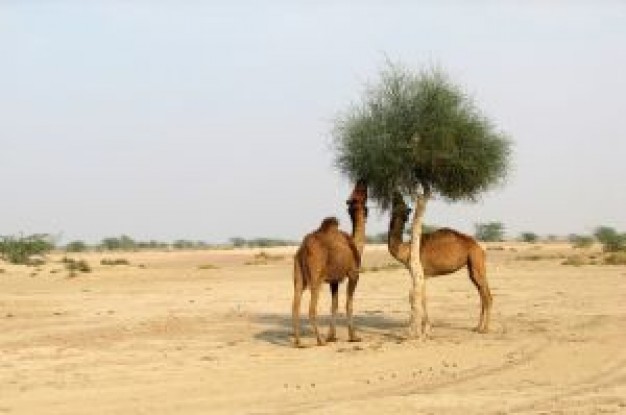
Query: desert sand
x,y
208,332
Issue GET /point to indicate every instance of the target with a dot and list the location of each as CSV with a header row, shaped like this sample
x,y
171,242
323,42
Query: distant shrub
x,y
611,240
580,241
490,232
20,250
75,266
529,237
538,257
575,260
379,238
263,258
76,246
616,258
239,242
123,243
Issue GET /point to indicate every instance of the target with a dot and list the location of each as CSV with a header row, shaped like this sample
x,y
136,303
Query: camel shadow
x,y
279,327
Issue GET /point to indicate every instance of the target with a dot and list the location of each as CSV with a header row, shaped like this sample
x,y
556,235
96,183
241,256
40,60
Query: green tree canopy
x,y
419,134
489,232
611,240
420,130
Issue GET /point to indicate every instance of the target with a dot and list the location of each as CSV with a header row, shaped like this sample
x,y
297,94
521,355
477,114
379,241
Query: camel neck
x,y
395,243
358,229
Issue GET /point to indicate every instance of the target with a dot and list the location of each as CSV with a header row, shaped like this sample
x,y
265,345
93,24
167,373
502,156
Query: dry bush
x,y
617,258
263,258
575,260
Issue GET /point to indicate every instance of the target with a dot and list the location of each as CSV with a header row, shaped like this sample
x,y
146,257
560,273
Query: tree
x,y
123,243
19,250
610,239
76,246
489,232
421,135
580,241
529,237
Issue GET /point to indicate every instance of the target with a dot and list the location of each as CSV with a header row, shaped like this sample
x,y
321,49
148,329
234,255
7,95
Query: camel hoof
x,y
481,330
321,342
355,339
331,339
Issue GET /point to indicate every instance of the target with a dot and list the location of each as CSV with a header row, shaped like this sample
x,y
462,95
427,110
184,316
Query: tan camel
x,y
330,255
442,252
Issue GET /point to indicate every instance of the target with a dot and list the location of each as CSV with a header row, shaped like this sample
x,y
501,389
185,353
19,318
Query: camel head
x,y
358,198
399,209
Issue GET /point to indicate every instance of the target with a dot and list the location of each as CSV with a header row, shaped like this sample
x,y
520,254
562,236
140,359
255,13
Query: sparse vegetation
x,y
22,249
529,237
379,238
489,232
263,258
74,266
611,240
122,243
615,258
76,246
239,242
576,260
538,257
580,241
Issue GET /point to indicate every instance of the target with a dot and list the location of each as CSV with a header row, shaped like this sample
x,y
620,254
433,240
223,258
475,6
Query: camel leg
x,y
334,291
478,276
352,282
315,293
298,288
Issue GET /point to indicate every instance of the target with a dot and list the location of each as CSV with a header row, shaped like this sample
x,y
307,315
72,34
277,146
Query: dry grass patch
x,y
617,258
263,258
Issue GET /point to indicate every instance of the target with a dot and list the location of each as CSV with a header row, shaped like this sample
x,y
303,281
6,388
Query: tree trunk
x,y
418,323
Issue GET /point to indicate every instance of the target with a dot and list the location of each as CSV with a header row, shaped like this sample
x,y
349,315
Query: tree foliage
x,y
76,246
529,237
419,130
123,243
490,232
580,241
611,240
20,250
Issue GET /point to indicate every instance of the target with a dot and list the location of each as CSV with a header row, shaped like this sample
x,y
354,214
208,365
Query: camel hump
x,y
329,223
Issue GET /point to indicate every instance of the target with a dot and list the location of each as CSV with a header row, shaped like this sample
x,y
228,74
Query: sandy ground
x,y
202,332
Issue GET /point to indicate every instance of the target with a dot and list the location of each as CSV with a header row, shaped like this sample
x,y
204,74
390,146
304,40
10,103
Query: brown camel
x,y
442,252
330,255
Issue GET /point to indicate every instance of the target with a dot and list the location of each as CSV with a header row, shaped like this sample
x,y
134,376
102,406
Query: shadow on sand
x,y
279,330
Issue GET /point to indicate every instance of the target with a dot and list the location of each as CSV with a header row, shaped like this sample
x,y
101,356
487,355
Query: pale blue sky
x,y
207,120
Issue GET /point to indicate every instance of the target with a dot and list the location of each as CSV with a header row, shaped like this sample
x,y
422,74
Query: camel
x,y
442,252
330,255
